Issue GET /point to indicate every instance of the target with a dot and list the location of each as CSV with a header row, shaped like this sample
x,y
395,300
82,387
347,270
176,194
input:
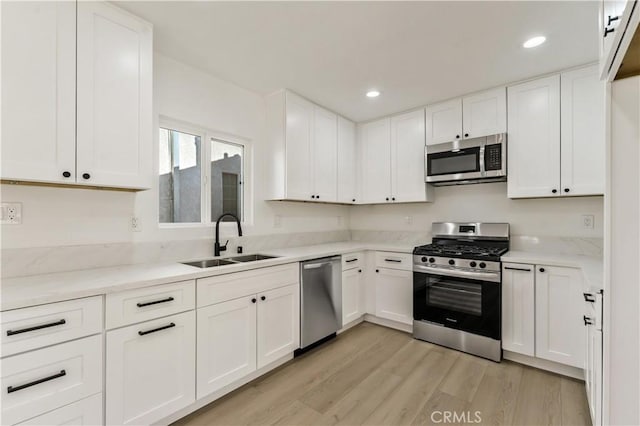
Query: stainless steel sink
x,y
251,258
209,263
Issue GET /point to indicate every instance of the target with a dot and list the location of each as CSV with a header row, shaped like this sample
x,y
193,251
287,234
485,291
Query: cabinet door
x,y
394,295
444,122
114,97
298,135
484,113
375,147
86,412
559,315
407,157
226,343
278,323
534,138
38,91
352,295
150,369
347,170
518,308
325,155
583,139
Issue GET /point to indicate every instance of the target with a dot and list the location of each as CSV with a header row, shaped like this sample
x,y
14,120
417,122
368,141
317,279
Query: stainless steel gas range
x,y
457,287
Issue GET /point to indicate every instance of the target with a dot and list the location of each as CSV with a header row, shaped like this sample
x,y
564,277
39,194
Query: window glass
x,y
226,179
180,177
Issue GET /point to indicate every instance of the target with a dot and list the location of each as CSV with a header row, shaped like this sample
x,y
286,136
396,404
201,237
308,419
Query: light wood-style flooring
x,y
377,376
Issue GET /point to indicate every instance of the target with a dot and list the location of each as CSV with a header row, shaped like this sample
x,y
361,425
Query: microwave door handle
x,y
481,159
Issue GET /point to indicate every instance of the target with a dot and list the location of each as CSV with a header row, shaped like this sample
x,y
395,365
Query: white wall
x,y
486,203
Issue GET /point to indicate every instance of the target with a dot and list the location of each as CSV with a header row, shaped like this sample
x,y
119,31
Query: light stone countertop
x,y
20,292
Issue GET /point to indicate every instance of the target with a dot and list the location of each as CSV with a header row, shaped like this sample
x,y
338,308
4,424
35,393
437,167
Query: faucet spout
x,y
217,248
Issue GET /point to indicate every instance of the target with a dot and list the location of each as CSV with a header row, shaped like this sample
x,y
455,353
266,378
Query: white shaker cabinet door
x,y
298,136
150,370
485,113
444,122
375,148
394,295
114,97
534,138
583,136
518,308
38,91
407,157
278,323
226,343
325,152
347,169
352,295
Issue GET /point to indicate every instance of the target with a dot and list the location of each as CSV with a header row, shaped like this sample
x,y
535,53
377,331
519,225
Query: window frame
x,y
206,138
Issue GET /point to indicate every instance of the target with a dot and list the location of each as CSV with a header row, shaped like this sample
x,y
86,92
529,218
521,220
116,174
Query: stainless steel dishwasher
x,y
320,300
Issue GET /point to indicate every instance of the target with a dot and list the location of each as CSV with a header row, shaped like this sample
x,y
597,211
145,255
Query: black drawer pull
x,y
164,327
393,260
588,297
587,320
10,389
352,260
155,302
517,269
36,327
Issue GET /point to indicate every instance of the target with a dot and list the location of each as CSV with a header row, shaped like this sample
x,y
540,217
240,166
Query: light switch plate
x,y
11,213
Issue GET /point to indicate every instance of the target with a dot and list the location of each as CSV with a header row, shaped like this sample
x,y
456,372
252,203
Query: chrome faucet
x,y
217,248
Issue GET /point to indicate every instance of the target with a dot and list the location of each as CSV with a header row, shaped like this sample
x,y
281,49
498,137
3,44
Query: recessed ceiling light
x,y
533,42
373,94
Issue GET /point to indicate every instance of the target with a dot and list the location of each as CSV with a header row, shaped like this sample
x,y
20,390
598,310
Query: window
x,y
190,193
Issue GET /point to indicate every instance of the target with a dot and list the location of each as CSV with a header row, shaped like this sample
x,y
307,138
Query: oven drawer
x,y
352,260
44,325
39,381
391,260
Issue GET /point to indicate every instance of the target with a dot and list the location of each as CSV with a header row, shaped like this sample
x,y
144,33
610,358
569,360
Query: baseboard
x,y
199,403
407,328
351,325
543,364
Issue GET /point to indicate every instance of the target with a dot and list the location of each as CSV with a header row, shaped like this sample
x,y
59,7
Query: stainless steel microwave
x,y
476,160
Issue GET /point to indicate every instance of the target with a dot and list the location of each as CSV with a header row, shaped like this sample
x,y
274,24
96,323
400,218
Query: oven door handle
x,y
488,276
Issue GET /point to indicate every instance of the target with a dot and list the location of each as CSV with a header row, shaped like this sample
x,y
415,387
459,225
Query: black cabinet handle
x,y
588,297
517,269
36,327
164,327
11,389
466,135
541,269
610,19
66,174
253,300
263,297
587,320
86,176
352,260
313,196
566,190
155,302
457,136
317,197
377,270
387,198
353,200
608,30
393,198
393,260
554,190
359,270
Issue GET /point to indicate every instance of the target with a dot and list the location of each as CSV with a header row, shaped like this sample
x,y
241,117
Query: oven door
x,y
462,303
458,160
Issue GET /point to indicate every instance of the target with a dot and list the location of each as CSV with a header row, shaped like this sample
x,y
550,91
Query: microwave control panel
x,y
493,157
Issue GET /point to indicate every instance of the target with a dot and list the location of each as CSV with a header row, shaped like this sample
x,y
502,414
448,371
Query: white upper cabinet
x,y
556,136
484,113
115,71
407,157
618,20
444,122
582,95
303,149
534,138
375,149
38,91
347,163
104,139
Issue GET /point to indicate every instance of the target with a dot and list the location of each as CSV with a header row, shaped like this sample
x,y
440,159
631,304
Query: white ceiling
x,y
333,52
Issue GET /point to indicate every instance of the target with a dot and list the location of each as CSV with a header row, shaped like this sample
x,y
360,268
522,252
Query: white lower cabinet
x,y
150,369
394,295
518,308
278,323
352,295
86,412
226,343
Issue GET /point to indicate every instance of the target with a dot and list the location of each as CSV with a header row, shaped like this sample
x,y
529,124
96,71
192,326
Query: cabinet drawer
x,y
129,307
231,286
38,326
86,412
352,260
40,381
402,261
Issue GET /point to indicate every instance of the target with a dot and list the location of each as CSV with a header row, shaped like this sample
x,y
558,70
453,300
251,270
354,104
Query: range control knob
x,y
424,259
452,262
472,264
432,260
483,265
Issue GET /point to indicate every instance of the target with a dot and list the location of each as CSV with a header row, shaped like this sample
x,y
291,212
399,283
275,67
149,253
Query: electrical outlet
x,y
136,224
11,213
408,220
587,221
